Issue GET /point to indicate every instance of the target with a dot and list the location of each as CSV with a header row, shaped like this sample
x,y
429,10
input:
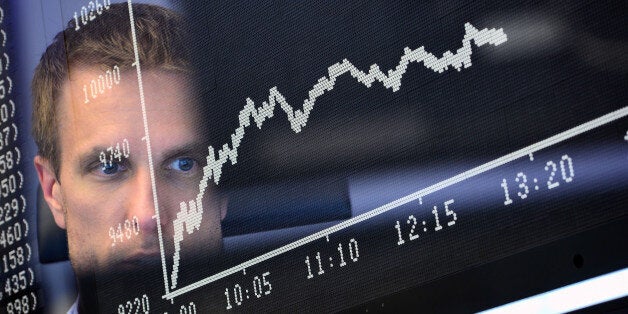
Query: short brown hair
x,y
105,41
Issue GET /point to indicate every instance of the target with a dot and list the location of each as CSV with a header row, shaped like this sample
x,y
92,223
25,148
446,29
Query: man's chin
x,y
122,279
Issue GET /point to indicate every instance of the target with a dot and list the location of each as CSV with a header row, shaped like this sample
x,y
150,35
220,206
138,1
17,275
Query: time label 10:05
x,y
261,287
525,185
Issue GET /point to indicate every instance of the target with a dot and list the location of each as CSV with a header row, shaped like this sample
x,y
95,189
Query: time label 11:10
x,y
351,251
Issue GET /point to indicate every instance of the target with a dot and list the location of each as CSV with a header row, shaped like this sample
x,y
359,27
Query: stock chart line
x,y
190,215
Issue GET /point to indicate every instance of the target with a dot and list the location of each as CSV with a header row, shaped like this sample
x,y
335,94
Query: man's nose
x,y
140,201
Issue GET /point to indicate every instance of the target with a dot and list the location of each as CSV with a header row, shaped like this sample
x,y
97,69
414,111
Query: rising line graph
x,y
189,217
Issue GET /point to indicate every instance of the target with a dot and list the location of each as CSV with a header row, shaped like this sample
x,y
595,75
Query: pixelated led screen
x,y
298,156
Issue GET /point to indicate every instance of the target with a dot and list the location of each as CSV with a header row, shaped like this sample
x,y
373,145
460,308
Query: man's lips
x,y
144,254
141,257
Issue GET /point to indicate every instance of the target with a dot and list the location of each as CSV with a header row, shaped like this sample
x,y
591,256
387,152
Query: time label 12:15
x,y
412,221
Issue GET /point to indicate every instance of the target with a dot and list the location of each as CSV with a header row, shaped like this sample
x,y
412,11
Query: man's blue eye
x,y
110,168
183,164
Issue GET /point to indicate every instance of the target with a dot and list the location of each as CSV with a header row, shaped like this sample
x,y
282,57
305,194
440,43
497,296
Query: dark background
x,y
564,64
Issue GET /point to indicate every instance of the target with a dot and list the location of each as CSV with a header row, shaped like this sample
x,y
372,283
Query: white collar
x,y
74,308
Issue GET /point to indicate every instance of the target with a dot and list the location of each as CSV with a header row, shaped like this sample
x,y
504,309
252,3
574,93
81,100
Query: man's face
x,y
92,200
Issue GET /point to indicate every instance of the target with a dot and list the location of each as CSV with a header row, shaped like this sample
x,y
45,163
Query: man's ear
x,y
51,189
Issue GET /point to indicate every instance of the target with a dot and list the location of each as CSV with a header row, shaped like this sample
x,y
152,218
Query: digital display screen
x,y
170,157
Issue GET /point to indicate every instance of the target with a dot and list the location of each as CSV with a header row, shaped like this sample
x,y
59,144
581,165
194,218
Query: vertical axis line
x,y
148,147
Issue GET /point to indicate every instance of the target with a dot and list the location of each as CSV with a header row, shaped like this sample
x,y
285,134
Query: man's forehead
x,y
170,105
86,94
110,77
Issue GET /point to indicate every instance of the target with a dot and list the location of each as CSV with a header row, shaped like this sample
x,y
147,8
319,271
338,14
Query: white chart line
x,y
148,147
582,128
191,213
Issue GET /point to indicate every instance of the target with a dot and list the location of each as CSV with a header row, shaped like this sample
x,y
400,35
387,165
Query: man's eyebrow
x,y
195,149
87,159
